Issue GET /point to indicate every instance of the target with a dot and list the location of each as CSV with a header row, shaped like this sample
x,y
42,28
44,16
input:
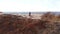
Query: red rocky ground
x,y
13,24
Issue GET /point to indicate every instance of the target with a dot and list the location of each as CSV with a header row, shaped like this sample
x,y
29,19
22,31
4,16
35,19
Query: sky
x,y
29,5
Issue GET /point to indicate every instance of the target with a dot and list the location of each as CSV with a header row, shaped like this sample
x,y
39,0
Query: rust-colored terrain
x,y
13,24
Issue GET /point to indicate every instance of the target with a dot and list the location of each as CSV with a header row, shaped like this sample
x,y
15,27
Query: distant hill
x,y
31,12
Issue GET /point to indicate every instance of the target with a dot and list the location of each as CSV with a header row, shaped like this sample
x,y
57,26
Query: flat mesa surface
x,y
33,16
